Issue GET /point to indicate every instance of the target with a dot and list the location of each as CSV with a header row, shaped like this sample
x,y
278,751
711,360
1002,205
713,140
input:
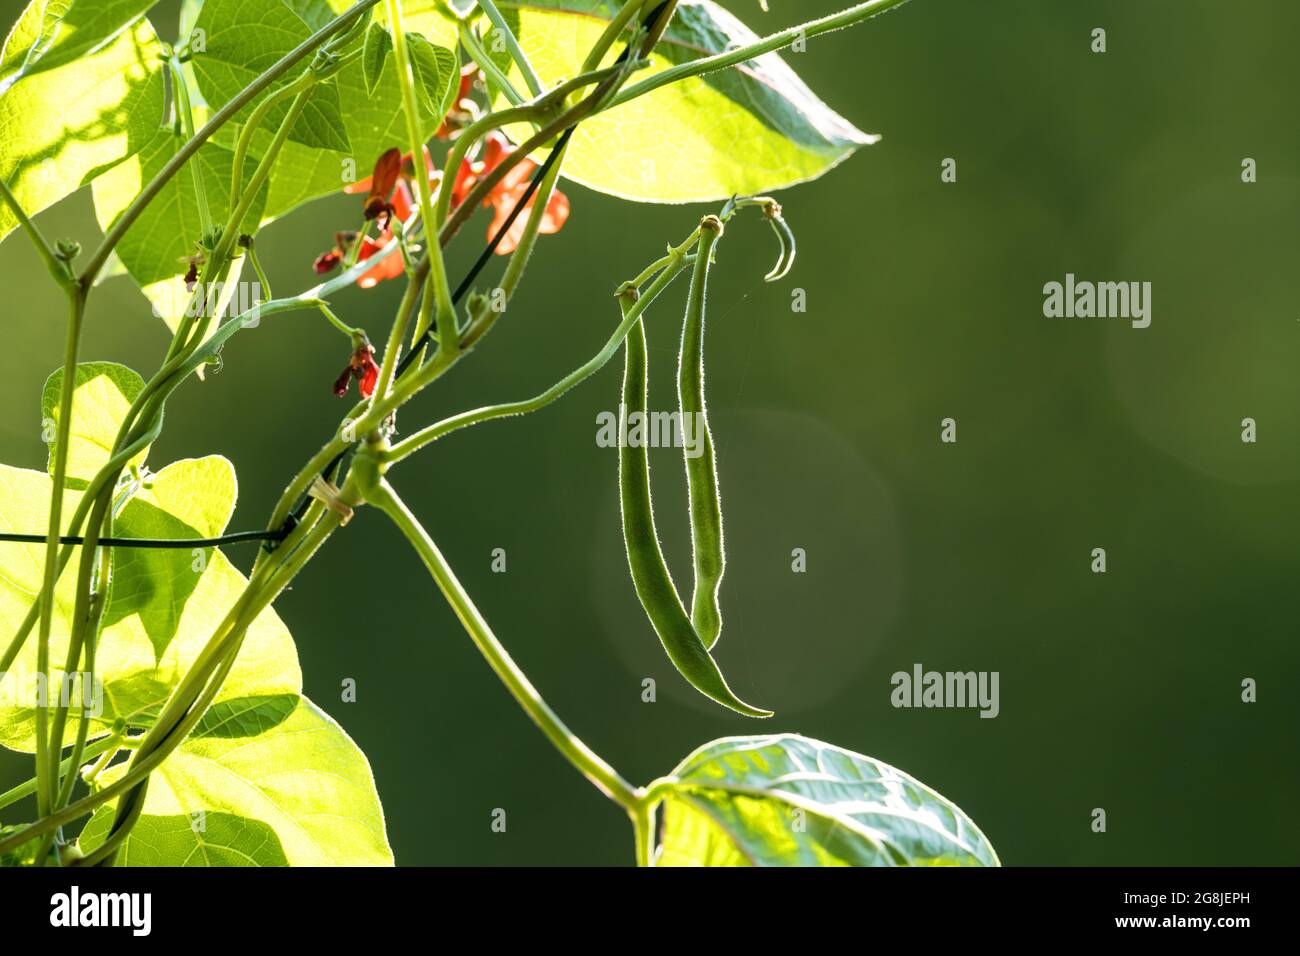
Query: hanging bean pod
x,y
701,462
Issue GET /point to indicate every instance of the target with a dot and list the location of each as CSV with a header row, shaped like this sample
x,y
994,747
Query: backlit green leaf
x,y
787,800
163,609
299,793
22,855
436,74
751,129
103,394
374,54
244,38
63,126
50,33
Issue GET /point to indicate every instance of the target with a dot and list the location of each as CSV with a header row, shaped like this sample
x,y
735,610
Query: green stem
x,y
202,682
625,15
480,56
338,323
483,188
777,41
256,262
81,636
512,44
440,292
255,120
104,745
396,336
112,745
56,266
77,306
643,829
601,774
181,88
94,621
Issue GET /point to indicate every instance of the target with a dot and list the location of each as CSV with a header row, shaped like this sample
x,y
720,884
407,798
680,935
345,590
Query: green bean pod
x,y
702,469
654,585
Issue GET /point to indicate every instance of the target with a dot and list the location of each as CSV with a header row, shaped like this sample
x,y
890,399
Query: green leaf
x,y
751,129
104,392
374,54
22,855
243,39
163,609
154,248
788,800
50,33
299,793
63,126
437,76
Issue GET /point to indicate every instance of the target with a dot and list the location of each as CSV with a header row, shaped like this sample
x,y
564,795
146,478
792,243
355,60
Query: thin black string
x,y
235,537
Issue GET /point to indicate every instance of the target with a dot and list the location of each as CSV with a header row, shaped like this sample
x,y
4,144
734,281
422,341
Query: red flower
x,y
394,190
192,273
389,268
326,261
507,193
382,184
362,367
389,195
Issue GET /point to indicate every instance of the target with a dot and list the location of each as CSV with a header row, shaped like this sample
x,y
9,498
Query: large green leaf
x,y
168,230
164,606
751,129
787,800
50,33
244,38
103,393
63,126
297,793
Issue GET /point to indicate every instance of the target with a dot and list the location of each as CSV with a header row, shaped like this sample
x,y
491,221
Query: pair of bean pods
x,y
687,637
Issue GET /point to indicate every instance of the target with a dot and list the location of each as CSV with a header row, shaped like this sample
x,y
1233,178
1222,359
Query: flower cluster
x,y
390,195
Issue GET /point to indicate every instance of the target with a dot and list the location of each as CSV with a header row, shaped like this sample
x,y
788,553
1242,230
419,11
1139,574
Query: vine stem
x,y
104,745
77,310
512,44
56,267
643,828
181,88
379,493
480,56
439,290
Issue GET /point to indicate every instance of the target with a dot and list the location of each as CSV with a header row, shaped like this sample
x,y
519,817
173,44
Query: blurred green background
x,y
1119,691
